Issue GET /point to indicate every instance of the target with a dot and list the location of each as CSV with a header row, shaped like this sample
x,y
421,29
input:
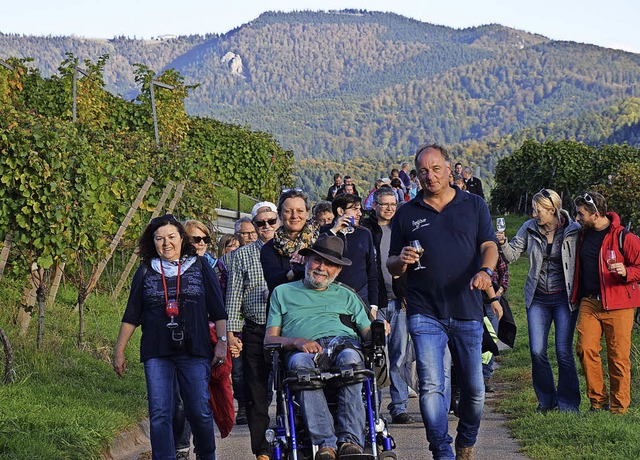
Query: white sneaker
x,y
412,393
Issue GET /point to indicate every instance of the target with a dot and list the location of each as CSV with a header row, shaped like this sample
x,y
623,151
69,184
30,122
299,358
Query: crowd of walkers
x,y
425,258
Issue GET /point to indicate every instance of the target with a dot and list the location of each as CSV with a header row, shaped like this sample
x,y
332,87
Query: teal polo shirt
x,y
312,314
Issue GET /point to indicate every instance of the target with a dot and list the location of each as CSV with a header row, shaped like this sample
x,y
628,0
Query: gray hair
x,y
438,147
239,222
384,191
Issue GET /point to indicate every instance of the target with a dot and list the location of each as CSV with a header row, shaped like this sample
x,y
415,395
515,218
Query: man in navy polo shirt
x,y
444,301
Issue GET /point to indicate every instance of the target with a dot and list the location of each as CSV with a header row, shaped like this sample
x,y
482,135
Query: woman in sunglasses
x,y
201,239
550,239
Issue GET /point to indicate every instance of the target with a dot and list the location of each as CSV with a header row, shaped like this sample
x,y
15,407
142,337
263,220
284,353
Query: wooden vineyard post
x,y
118,236
134,256
4,255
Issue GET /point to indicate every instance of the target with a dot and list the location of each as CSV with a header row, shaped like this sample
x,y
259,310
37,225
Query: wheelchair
x,y
287,436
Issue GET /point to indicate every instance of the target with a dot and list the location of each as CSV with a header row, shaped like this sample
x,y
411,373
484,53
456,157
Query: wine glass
x,y
611,259
501,225
415,244
172,311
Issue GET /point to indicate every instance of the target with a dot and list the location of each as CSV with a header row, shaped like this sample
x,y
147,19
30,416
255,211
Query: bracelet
x,y
494,299
374,308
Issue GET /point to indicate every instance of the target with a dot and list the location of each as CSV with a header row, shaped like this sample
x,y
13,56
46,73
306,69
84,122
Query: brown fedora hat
x,y
328,247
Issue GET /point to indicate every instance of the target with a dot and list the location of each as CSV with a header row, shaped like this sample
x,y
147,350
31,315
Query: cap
x,y
263,206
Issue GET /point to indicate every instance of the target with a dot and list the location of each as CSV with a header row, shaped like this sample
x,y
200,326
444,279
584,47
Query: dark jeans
x,y
256,372
237,378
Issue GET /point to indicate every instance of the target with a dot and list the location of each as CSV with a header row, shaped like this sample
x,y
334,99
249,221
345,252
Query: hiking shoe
x,y
488,388
326,453
348,448
464,453
402,419
241,415
606,407
182,454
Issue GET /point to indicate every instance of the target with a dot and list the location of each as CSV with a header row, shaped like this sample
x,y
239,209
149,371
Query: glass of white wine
x,y
415,244
501,225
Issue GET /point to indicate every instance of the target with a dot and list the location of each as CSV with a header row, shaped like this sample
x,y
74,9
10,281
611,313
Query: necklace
x,y
544,231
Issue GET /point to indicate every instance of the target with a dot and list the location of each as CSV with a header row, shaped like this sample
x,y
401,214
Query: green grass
x,y
66,402
228,199
559,435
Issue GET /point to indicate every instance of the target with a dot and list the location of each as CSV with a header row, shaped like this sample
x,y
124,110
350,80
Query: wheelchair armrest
x,y
270,347
270,350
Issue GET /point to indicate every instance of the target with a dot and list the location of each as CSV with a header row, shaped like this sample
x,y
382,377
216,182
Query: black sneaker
x,y
604,408
241,415
402,419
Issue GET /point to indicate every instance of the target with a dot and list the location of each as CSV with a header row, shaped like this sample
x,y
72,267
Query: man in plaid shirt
x,y
247,312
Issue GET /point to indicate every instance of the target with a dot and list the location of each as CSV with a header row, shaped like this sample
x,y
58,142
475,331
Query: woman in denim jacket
x,y
550,240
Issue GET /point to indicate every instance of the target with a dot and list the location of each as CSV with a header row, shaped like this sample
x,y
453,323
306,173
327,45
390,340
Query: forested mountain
x,y
342,86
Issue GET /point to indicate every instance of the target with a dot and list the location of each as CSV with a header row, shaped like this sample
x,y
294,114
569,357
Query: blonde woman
x,y
550,239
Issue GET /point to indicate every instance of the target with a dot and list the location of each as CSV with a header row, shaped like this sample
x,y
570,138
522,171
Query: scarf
x,y
287,246
171,268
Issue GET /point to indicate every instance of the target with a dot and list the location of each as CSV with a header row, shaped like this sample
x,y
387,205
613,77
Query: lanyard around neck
x,y
164,283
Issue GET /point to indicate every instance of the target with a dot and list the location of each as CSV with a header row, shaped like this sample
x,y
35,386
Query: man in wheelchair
x,y
303,318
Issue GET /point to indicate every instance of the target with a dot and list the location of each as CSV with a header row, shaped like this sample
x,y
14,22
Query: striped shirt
x,y
246,287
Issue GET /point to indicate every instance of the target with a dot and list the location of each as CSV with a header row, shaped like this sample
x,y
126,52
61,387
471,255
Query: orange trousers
x,y
616,325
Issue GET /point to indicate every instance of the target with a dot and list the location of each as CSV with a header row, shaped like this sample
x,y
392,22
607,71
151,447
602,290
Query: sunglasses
x,y
198,239
291,190
545,193
588,199
263,223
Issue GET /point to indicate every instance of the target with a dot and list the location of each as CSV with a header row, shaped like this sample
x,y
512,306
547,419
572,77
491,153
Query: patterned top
x,y
200,301
246,288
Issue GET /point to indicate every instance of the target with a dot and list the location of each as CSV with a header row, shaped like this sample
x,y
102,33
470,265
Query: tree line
x,y
570,168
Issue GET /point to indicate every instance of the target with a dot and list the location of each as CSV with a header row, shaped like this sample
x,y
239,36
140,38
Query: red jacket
x,y
616,292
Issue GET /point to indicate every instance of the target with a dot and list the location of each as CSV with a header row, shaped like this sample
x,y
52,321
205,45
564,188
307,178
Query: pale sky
x,y
609,23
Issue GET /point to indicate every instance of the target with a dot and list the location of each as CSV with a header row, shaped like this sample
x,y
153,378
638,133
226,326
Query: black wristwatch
x,y
487,270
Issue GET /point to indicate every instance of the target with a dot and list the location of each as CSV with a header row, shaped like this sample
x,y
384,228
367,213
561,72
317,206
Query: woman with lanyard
x,y
174,294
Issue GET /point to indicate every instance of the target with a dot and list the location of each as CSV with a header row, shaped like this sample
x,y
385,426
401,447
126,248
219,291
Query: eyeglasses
x,y
263,223
588,199
198,239
387,205
289,190
545,193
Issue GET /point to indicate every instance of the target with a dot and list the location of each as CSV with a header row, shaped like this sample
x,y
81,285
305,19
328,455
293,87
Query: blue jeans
x,y
430,337
544,310
181,427
398,344
350,415
193,377
487,369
